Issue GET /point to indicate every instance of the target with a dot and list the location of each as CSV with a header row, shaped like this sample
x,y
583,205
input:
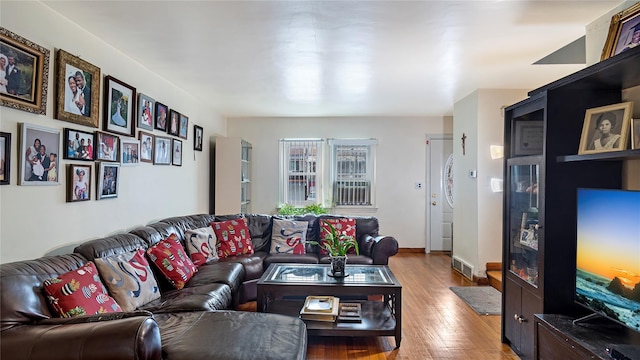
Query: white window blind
x,y
353,172
301,169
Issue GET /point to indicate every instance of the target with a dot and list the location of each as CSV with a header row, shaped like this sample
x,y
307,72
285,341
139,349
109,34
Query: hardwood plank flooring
x,y
436,324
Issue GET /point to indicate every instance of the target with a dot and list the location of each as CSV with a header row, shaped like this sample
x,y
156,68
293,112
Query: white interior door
x,y
440,194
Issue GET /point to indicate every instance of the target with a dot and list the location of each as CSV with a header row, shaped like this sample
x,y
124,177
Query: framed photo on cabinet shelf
x,y
606,128
77,90
146,147
108,180
146,109
162,112
130,153
24,86
162,150
176,158
78,182
5,158
198,133
40,148
119,107
529,138
79,145
635,134
624,32
107,146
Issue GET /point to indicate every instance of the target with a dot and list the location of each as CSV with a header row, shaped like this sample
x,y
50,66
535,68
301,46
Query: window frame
x,y
370,171
285,173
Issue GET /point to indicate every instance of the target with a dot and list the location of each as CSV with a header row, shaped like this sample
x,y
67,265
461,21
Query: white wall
x,y
401,161
36,220
477,216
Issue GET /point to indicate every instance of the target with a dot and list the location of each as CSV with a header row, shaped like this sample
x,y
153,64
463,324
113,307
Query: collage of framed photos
x,y
24,69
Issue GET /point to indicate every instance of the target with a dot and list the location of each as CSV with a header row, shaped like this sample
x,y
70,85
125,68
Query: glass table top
x,y
321,274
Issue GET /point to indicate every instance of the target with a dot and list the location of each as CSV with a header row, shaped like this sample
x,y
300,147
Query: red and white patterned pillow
x,y
171,259
201,245
233,238
79,292
129,279
342,225
288,237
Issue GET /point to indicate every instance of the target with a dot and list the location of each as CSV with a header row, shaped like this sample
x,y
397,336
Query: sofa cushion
x,y
233,238
288,237
171,259
352,259
201,245
129,279
231,335
79,292
253,264
345,226
228,273
208,297
308,258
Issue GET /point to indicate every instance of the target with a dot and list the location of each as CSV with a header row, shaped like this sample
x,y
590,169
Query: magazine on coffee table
x,y
350,312
320,308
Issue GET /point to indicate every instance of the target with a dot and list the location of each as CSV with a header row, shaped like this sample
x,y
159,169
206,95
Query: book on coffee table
x,y
320,308
350,312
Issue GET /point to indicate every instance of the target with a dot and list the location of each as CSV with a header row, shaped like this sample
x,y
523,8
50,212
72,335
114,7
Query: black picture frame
x,y
173,125
183,128
198,134
79,145
176,152
119,107
162,115
5,158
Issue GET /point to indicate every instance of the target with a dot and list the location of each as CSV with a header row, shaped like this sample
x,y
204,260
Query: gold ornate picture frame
x,y
77,90
25,85
624,32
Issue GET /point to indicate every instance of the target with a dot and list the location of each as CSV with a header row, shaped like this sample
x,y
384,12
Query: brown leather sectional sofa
x,y
196,322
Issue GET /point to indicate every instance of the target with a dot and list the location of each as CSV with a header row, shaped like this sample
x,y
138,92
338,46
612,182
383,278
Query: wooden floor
x,y
436,324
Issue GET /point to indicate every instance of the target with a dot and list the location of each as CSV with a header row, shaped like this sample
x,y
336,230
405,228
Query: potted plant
x,y
337,244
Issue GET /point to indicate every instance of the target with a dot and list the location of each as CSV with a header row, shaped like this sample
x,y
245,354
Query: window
x,y
301,171
353,172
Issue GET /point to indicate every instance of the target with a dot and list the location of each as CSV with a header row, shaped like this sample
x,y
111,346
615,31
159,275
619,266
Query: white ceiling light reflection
x,y
303,82
353,80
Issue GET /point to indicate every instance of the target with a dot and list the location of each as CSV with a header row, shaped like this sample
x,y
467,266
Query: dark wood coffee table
x,y
283,288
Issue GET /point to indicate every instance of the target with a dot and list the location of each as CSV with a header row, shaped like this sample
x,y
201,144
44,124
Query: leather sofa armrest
x,y
131,336
383,248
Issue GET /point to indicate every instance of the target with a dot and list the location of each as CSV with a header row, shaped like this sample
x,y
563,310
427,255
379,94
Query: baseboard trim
x,y
411,250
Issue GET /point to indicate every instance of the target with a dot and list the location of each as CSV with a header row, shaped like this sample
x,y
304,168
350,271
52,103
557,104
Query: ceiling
x,y
340,58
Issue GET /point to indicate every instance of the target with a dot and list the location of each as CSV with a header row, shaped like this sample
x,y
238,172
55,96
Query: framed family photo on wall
x,y
119,107
24,73
624,32
107,146
5,158
79,145
173,127
606,128
77,90
108,180
78,182
162,112
130,154
39,149
177,152
162,150
184,126
198,133
146,147
146,109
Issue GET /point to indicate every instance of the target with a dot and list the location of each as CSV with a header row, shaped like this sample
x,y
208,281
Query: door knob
x,y
434,203
519,318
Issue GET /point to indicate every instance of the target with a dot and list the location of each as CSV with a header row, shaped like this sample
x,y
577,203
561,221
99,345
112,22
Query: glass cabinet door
x,y
523,221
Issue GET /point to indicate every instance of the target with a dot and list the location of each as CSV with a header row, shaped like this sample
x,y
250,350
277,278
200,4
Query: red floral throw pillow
x,y
170,258
342,225
233,238
79,292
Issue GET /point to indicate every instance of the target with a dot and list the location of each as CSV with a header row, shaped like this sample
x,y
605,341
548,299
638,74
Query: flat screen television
x,y
608,254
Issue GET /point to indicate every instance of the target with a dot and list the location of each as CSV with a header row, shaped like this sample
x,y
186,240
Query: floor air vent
x,y
462,267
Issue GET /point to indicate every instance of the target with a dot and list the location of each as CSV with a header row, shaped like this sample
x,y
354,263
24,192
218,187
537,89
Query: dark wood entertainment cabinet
x,y
541,176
